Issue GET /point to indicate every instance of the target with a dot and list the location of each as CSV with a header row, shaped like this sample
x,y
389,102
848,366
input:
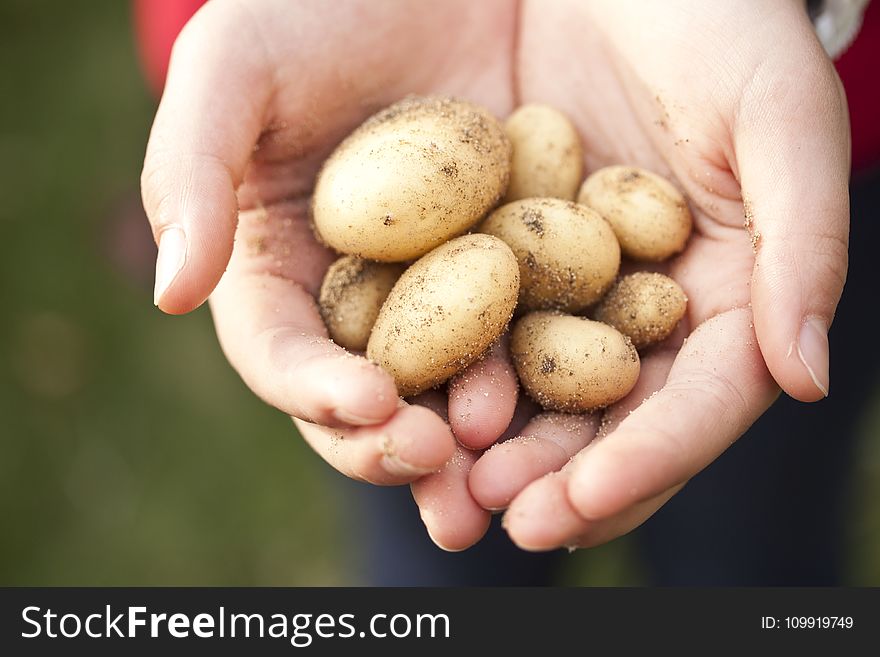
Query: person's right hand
x,y
741,108
258,94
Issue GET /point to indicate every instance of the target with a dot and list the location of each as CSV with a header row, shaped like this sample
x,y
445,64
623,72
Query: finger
x,y
792,152
412,443
204,133
542,517
271,332
453,519
607,530
483,397
551,439
717,387
545,445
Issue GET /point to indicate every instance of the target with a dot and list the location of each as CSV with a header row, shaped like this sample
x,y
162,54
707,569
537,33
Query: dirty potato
x,y
445,311
548,160
410,178
644,306
649,215
568,255
572,364
352,294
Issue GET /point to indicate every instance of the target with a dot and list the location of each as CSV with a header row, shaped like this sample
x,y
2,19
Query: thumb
x,y
205,129
792,149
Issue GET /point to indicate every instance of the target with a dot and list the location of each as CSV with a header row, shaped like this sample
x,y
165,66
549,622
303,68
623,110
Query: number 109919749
x,y
807,622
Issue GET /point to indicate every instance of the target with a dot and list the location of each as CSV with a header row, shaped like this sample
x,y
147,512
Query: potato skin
x,y
568,255
548,159
410,178
352,293
649,215
572,364
445,311
644,306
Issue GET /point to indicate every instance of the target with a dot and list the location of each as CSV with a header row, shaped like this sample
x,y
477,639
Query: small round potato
x,y
572,364
411,177
649,215
445,311
352,293
568,255
548,160
644,306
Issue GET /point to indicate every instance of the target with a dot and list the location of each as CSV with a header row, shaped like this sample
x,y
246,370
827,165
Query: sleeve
x,y
837,22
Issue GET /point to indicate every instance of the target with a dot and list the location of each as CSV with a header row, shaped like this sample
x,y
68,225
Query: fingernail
x,y
439,544
517,540
169,262
351,418
812,349
393,464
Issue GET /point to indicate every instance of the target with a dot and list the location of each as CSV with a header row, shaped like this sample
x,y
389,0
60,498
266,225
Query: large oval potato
x,y
568,255
411,177
649,215
352,293
644,306
572,364
548,160
445,312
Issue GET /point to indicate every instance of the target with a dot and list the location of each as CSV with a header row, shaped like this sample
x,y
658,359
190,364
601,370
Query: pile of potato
x,y
434,270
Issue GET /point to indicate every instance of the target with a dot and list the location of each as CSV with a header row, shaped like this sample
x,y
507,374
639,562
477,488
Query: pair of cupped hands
x,y
738,104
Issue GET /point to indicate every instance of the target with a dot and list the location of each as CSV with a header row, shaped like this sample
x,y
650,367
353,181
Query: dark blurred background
x,y
130,452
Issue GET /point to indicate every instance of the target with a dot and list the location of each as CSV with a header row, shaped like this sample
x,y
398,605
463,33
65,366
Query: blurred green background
x,y
130,452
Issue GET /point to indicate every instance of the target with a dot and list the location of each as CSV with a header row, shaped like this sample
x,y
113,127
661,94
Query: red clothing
x,y
157,23
859,69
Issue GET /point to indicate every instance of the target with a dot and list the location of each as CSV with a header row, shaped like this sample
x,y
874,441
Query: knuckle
x,y
156,191
832,262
